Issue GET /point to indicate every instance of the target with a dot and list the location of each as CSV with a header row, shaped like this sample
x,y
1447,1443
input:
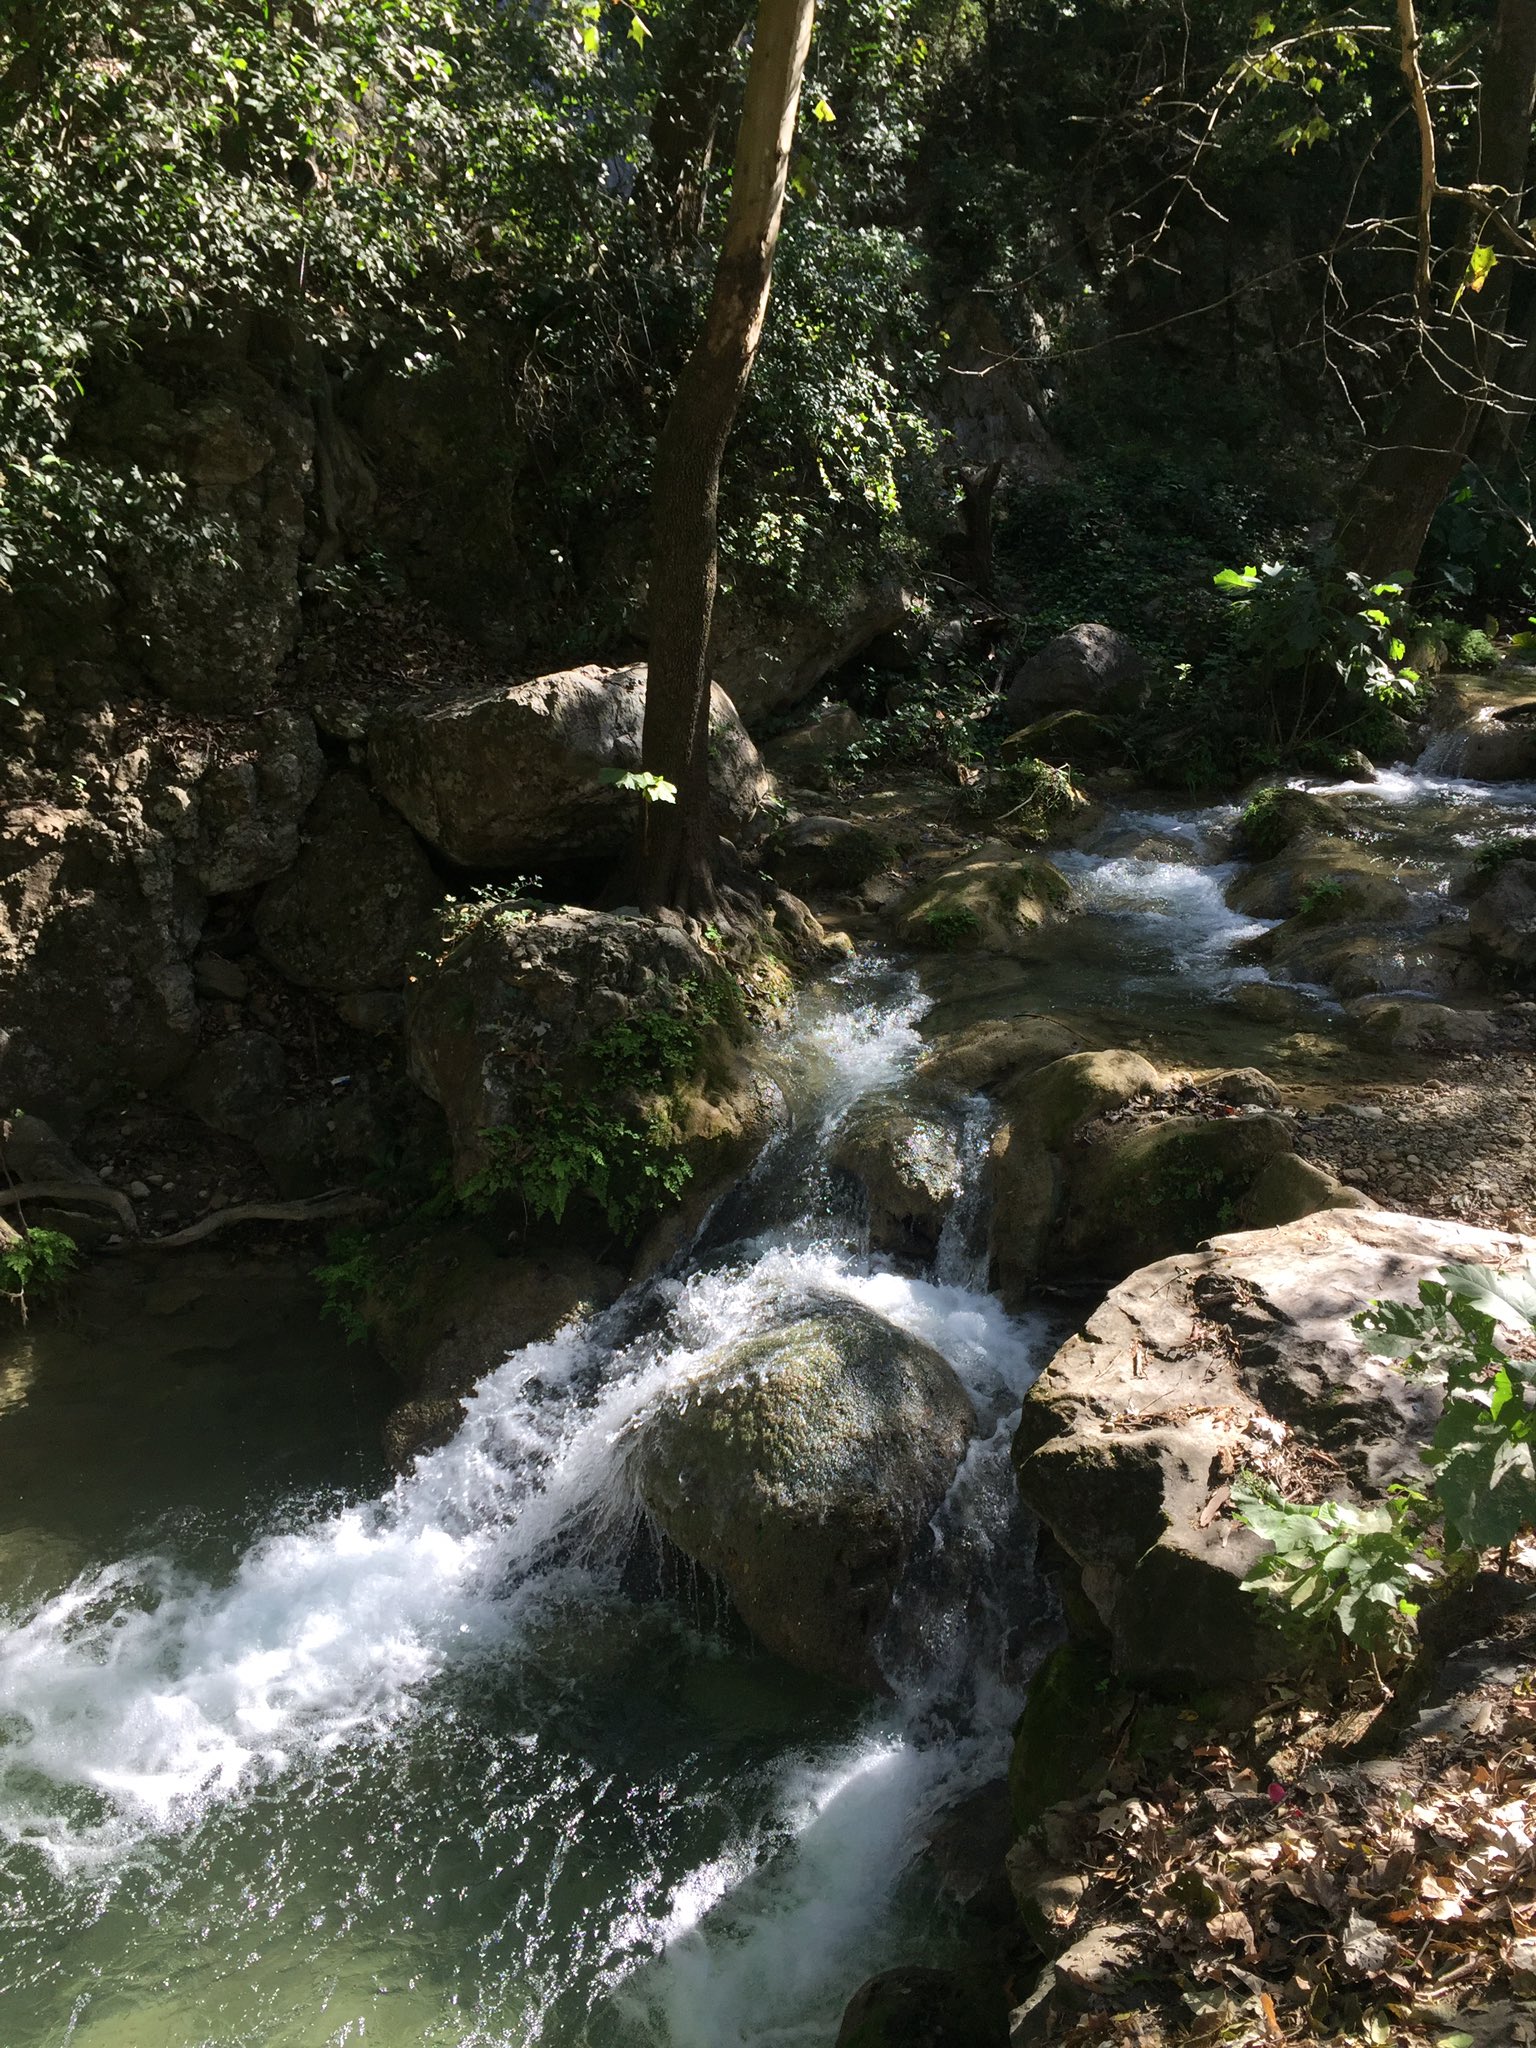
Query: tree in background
x,y
685,493
1464,368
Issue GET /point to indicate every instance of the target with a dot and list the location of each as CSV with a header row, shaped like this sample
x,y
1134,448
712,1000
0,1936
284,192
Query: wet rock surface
x,y
800,1469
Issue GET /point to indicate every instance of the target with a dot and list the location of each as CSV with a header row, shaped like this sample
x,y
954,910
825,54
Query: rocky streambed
x,y
671,1690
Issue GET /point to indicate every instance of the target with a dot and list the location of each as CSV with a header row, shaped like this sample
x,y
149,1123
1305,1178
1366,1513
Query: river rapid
x,y
291,1756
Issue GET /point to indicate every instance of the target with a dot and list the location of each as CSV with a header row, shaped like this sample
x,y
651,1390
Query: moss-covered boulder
x,y
1280,817
1063,1740
994,901
1045,1109
1288,1188
801,1468
1360,960
1142,1194
907,1158
994,1050
816,853
1056,1100
1324,885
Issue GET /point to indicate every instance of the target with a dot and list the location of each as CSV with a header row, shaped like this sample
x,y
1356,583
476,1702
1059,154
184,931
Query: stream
x,y
292,1755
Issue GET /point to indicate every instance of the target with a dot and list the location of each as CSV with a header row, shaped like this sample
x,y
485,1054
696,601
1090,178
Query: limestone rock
x,y
919,2007
1503,919
494,1013
907,1158
994,901
1280,817
1325,885
1087,668
768,657
1288,1188
211,626
801,1468
249,797
985,1054
237,1083
349,913
1054,1101
1140,1194
1415,1026
1124,1437
827,853
1098,1966
802,753
1362,960
1244,1086
512,775
96,925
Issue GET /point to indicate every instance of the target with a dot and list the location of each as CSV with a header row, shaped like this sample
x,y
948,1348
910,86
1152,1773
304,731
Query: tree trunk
x,y
678,848
1406,478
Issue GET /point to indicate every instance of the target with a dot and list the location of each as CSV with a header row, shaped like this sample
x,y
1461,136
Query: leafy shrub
x,y
1039,793
353,1268
35,1261
1362,1570
598,1140
1320,898
949,925
1470,647
1494,854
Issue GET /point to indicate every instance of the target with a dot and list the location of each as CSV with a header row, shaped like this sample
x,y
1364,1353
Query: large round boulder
x,y
514,774
1087,668
801,1468
993,901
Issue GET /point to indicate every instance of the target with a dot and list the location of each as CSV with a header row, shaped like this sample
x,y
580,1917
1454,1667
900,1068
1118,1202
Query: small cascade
x,y
442,1708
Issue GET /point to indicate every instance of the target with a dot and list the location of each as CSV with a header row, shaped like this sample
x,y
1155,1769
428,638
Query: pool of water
x,y
292,1755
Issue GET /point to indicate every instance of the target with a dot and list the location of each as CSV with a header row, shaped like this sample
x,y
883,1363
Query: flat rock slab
x,y
1130,1433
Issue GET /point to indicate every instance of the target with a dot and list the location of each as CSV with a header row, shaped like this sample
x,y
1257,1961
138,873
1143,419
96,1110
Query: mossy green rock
x,y
1061,1745
1143,1194
996,1048
1276,818
1056,1100
907,1158
1288,1188
994,901
1325,885
800,1469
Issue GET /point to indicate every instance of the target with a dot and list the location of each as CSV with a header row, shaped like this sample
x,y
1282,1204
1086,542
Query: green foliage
x,y
1358,1568
654,788
1320,898
947,717
625,1161
602,1133
949,925
1470,647
352,1270
1485,1481
1478,556
1037,793
35,1262
1336,1565
1496,853
503,904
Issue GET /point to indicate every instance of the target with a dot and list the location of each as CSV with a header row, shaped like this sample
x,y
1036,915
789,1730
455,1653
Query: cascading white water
x,y
469,1632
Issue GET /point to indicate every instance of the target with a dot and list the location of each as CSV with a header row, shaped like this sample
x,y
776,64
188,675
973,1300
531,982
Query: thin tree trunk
x,y
1406,478
678,849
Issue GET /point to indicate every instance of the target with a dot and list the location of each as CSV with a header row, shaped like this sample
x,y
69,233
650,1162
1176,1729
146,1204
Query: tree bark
x,y
1449,387
679,846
